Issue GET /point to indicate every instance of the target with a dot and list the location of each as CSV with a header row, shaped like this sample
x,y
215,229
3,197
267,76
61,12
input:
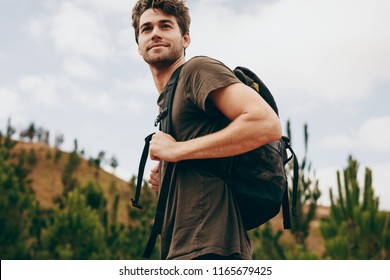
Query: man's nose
x,y
156,34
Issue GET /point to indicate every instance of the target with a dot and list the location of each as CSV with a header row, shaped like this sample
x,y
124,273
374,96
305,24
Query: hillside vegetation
x,y
46,181
46,177
59,205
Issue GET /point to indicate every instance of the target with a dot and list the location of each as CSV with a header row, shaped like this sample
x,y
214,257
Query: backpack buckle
x,y
136,204
160,116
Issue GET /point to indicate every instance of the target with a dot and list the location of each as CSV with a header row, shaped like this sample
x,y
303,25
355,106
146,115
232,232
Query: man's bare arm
x,y
254,124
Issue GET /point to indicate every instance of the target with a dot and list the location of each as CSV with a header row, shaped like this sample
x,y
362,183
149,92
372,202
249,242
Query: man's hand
x,y
154,179
164,147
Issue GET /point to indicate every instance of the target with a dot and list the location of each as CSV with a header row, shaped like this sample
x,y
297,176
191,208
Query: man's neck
x,y
162,73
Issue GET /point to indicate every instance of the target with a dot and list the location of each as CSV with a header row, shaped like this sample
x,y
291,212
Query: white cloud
x,y
97,30
94,101
113,103
139,93
375,134
133,106
372,135
78,68
137,86
37,28
79,31
126,43
335,142
107,6
10,103
42,89
322,50
53,91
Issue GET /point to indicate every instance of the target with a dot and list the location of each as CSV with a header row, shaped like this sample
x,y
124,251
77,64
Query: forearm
x,y
240,136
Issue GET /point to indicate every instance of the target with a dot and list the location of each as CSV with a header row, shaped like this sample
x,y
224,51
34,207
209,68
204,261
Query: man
x,y
214,116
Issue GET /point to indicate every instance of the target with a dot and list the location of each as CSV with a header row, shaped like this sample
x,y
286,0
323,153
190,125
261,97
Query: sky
x,y
72,67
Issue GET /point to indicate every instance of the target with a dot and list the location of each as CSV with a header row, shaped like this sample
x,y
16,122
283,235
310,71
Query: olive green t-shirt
x,y
201,215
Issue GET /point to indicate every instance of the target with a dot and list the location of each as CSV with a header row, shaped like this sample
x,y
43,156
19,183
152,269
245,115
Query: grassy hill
x,y
46,176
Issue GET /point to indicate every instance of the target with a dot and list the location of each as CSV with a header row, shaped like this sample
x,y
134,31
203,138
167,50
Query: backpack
x,y
258,178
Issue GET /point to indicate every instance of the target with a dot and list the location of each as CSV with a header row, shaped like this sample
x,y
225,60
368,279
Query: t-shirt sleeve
x,y
204,75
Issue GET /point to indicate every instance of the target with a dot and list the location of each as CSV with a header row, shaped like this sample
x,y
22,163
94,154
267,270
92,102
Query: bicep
x,y
238,99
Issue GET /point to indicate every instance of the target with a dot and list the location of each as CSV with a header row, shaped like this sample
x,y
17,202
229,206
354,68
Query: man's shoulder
x,y
201,58
202,62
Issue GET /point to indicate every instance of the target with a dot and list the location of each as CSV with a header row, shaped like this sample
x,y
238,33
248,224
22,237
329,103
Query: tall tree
x,y
114,163
16,203
69,181
59,139
10,129
31,131
97,163
76,232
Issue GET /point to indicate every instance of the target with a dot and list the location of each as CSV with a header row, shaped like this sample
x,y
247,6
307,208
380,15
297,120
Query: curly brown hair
x,y
176,8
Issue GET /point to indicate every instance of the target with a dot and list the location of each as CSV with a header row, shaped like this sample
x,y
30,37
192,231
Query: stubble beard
x,y
163,59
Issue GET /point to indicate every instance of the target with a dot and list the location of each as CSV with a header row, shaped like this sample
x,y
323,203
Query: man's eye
x,y
146,29
166,26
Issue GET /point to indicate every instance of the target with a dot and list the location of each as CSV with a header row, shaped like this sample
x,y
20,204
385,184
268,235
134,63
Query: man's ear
x,y
186,40
139,50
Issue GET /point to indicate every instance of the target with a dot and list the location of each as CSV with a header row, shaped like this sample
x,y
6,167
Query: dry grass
x,y
46,178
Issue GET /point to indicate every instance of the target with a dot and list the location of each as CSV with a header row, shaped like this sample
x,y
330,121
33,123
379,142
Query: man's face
x,y
160,41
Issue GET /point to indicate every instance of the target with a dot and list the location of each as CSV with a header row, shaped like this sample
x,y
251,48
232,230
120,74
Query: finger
x,y
153,184
153,178
156,169
152,157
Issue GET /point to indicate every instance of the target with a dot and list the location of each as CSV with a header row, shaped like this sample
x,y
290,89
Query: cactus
x,y
356,229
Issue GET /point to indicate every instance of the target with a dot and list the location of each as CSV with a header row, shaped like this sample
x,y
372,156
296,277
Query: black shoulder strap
x,y
169,93
285,201
169,179
141,169
160,209
286,141
165,125
249,78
